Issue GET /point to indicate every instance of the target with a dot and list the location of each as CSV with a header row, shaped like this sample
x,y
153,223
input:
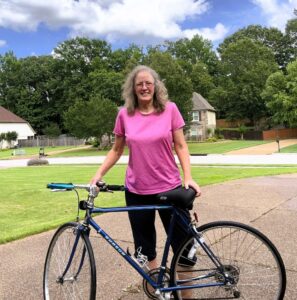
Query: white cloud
x,y
2,43
213,34
277,12
111,19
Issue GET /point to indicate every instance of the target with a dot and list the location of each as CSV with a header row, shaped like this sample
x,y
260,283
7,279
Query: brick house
x,y
203,119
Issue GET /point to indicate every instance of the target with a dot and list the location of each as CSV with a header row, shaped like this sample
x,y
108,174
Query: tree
x,y
11,136
108,84
245,66
30,88
2,138
93,118
291,35
192,51
52,130
280,96
120,59
75,59
178,85
271,37
202,81
9,81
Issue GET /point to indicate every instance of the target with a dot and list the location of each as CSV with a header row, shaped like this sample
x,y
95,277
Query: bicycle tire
x,y
246,254
80,280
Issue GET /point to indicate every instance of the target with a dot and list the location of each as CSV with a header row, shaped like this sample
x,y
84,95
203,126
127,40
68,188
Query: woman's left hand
x,y
191,183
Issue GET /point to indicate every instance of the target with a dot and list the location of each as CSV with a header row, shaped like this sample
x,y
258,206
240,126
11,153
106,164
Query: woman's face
x,y
144,87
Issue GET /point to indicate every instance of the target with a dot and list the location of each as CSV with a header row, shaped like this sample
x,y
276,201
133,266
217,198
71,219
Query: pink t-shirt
x,y
151,167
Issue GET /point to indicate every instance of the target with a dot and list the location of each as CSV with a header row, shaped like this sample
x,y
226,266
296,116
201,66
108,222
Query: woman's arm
x,y
112,157
182,151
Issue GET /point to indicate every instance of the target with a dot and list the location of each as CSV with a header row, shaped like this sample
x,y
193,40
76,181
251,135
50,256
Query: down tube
x,y
121,252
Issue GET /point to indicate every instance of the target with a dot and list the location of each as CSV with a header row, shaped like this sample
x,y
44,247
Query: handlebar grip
x,y
60,186
116,187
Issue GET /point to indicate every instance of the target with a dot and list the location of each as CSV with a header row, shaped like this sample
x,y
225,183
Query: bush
x,y
211,140
37,162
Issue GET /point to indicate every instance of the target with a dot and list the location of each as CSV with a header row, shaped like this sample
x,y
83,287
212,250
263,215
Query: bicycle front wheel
x,y
246,256
79,281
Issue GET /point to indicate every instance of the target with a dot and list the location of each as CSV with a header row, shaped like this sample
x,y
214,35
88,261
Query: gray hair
x,y
160,96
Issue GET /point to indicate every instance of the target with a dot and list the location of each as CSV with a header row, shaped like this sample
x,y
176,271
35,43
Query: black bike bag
x,y
180,197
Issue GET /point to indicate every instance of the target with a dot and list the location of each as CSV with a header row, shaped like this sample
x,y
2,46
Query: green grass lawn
x,y
30,151
289,149
27,207
194,148
222,146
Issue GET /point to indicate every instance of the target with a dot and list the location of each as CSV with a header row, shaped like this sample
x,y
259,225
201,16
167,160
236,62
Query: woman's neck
x,y
146,108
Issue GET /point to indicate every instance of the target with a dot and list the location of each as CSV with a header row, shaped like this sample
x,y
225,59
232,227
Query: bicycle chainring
x,y
149,290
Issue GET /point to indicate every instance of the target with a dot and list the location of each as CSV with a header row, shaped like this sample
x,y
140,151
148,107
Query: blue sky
x,y
34,27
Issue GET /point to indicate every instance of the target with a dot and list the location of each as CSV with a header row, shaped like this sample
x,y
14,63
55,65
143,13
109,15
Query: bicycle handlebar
x,y
70,186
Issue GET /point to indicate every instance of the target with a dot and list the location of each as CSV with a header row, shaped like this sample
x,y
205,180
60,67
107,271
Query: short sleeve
x,y
177,119
119,128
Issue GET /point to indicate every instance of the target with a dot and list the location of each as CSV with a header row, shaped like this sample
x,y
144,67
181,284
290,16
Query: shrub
x,y
211,140
37,162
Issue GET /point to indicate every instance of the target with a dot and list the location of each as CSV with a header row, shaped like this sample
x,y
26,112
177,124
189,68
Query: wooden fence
x,y
43,141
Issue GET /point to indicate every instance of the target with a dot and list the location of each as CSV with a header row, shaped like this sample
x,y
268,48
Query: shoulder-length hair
x,y
128,92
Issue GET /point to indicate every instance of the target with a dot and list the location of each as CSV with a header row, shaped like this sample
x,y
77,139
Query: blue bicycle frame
x,y
176,214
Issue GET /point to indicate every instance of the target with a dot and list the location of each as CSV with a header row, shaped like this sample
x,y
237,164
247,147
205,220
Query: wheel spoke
x,y
248,258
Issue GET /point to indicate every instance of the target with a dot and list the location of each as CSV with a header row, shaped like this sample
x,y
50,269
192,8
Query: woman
x,y
149,124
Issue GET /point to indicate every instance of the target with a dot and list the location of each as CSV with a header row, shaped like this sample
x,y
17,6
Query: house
x,y
203,119
11,122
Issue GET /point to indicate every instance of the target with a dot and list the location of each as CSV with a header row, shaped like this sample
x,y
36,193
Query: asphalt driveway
x,y
267,203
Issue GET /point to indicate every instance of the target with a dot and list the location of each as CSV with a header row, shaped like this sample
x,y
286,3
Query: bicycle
x,y
218,260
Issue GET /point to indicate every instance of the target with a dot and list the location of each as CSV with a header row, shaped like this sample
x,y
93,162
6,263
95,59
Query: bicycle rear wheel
x,y
247,256
79,282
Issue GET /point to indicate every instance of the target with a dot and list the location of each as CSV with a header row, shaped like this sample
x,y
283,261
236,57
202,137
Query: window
x,y
195,116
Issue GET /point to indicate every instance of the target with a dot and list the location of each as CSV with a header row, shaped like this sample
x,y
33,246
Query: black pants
x,y
143,225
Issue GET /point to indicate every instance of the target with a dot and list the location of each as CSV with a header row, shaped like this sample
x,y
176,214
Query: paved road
x,y
219,159
258,155
267,203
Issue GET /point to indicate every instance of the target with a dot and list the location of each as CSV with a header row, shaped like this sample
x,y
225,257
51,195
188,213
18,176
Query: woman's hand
x,y
191,183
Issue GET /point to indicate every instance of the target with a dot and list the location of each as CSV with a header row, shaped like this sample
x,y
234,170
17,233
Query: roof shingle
x,y
7,116
199,103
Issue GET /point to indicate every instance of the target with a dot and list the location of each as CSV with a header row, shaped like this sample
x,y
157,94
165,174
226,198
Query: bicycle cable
x,y
77,216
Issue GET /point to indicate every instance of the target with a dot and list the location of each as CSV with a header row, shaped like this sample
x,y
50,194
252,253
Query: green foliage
x,y
93,118
271,38
11,136
242,129
280,95
107,84
192,51
245,66
52,130
2,136
40,89
291,34
178,85
211,139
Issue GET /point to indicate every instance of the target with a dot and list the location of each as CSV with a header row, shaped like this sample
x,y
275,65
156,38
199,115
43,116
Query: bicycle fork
x,y
78,232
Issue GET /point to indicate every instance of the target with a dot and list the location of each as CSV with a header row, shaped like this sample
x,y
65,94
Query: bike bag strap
x,y
180,197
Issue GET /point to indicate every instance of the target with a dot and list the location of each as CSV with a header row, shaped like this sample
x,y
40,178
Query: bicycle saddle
x,y
180,197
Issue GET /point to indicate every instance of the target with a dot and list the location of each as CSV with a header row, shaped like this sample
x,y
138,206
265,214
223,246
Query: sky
x,y
36,27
